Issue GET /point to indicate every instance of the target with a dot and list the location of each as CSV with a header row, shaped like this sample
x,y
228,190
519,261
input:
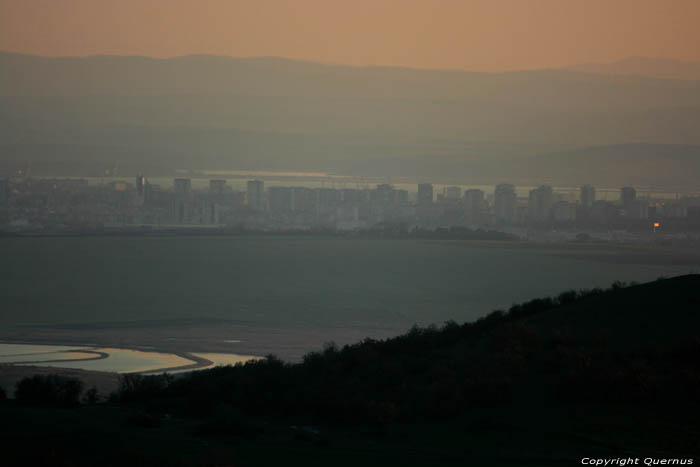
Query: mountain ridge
x,y
643,66
203,111
623,65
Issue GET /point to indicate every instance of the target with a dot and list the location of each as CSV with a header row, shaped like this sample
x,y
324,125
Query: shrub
x,y
143,420
133,386
568,297
91,397
49,390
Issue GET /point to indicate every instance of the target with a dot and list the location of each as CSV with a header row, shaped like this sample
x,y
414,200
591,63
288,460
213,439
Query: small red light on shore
x,y
657,225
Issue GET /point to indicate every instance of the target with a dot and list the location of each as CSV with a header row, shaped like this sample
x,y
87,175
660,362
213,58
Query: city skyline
x,y
53,205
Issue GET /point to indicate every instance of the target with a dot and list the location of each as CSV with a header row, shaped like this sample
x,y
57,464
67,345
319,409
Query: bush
x,y
229,421
91,397
49,390
568,297
133,386
143,420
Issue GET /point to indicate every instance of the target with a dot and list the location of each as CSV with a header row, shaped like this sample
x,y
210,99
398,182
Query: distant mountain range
x,y
644,66
81,115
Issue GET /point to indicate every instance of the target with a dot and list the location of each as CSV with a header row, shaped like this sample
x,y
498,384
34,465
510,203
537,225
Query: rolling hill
x,y
644,66
601,373
82,114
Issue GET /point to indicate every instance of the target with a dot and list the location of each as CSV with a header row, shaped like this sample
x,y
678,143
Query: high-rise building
x,y
4,191
217,186
383,194
328,198
140,184
674,210
563,211
540,203
425,194
627,196
587,196
305,200
256,198
453,192
212,213
473,202
148,191
350,195
401,196
183,186
637,209
602,212
281,199
504,203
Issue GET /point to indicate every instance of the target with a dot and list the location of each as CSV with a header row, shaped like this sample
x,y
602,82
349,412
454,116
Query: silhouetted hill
x,y
271,113
626,344
607,374
656,316
31,75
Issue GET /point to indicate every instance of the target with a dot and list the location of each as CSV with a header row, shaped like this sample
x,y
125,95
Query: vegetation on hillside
x,y
532,385
441,372
501,360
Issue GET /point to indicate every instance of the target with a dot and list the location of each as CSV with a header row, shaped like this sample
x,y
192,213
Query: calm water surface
x,y
108,282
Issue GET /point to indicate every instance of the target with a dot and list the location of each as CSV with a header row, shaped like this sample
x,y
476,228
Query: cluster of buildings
x,y
54,204
544,207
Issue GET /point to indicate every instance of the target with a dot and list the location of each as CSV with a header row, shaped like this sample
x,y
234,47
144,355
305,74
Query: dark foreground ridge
x,y
610,373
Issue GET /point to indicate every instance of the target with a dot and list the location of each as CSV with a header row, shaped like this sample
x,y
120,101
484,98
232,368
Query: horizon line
x,y
344,65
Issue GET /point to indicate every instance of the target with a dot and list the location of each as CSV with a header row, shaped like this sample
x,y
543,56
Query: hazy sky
x,y
489,35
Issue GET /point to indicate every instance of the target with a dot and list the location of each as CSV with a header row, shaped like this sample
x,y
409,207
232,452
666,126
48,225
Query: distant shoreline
x,y
197,362
217,230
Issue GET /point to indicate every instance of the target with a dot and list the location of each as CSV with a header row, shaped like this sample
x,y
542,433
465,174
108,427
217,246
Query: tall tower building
x,y
540,204
453,192
183,187
628,196
587,196
280,199
217,186
4,191
425,194
256,195
473,202
505,203
140,184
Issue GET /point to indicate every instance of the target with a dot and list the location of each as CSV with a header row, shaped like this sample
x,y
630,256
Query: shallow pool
x,y
105,358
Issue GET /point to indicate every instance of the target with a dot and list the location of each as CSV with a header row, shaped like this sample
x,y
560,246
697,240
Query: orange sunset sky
x,y
486,35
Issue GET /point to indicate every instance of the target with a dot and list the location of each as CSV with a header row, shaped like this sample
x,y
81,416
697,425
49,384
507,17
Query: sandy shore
x,y
197,362
184,338
105,382
290,344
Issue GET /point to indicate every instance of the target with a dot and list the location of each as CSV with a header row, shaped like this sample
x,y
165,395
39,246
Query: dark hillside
x,y
601,373
624,344
656,316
